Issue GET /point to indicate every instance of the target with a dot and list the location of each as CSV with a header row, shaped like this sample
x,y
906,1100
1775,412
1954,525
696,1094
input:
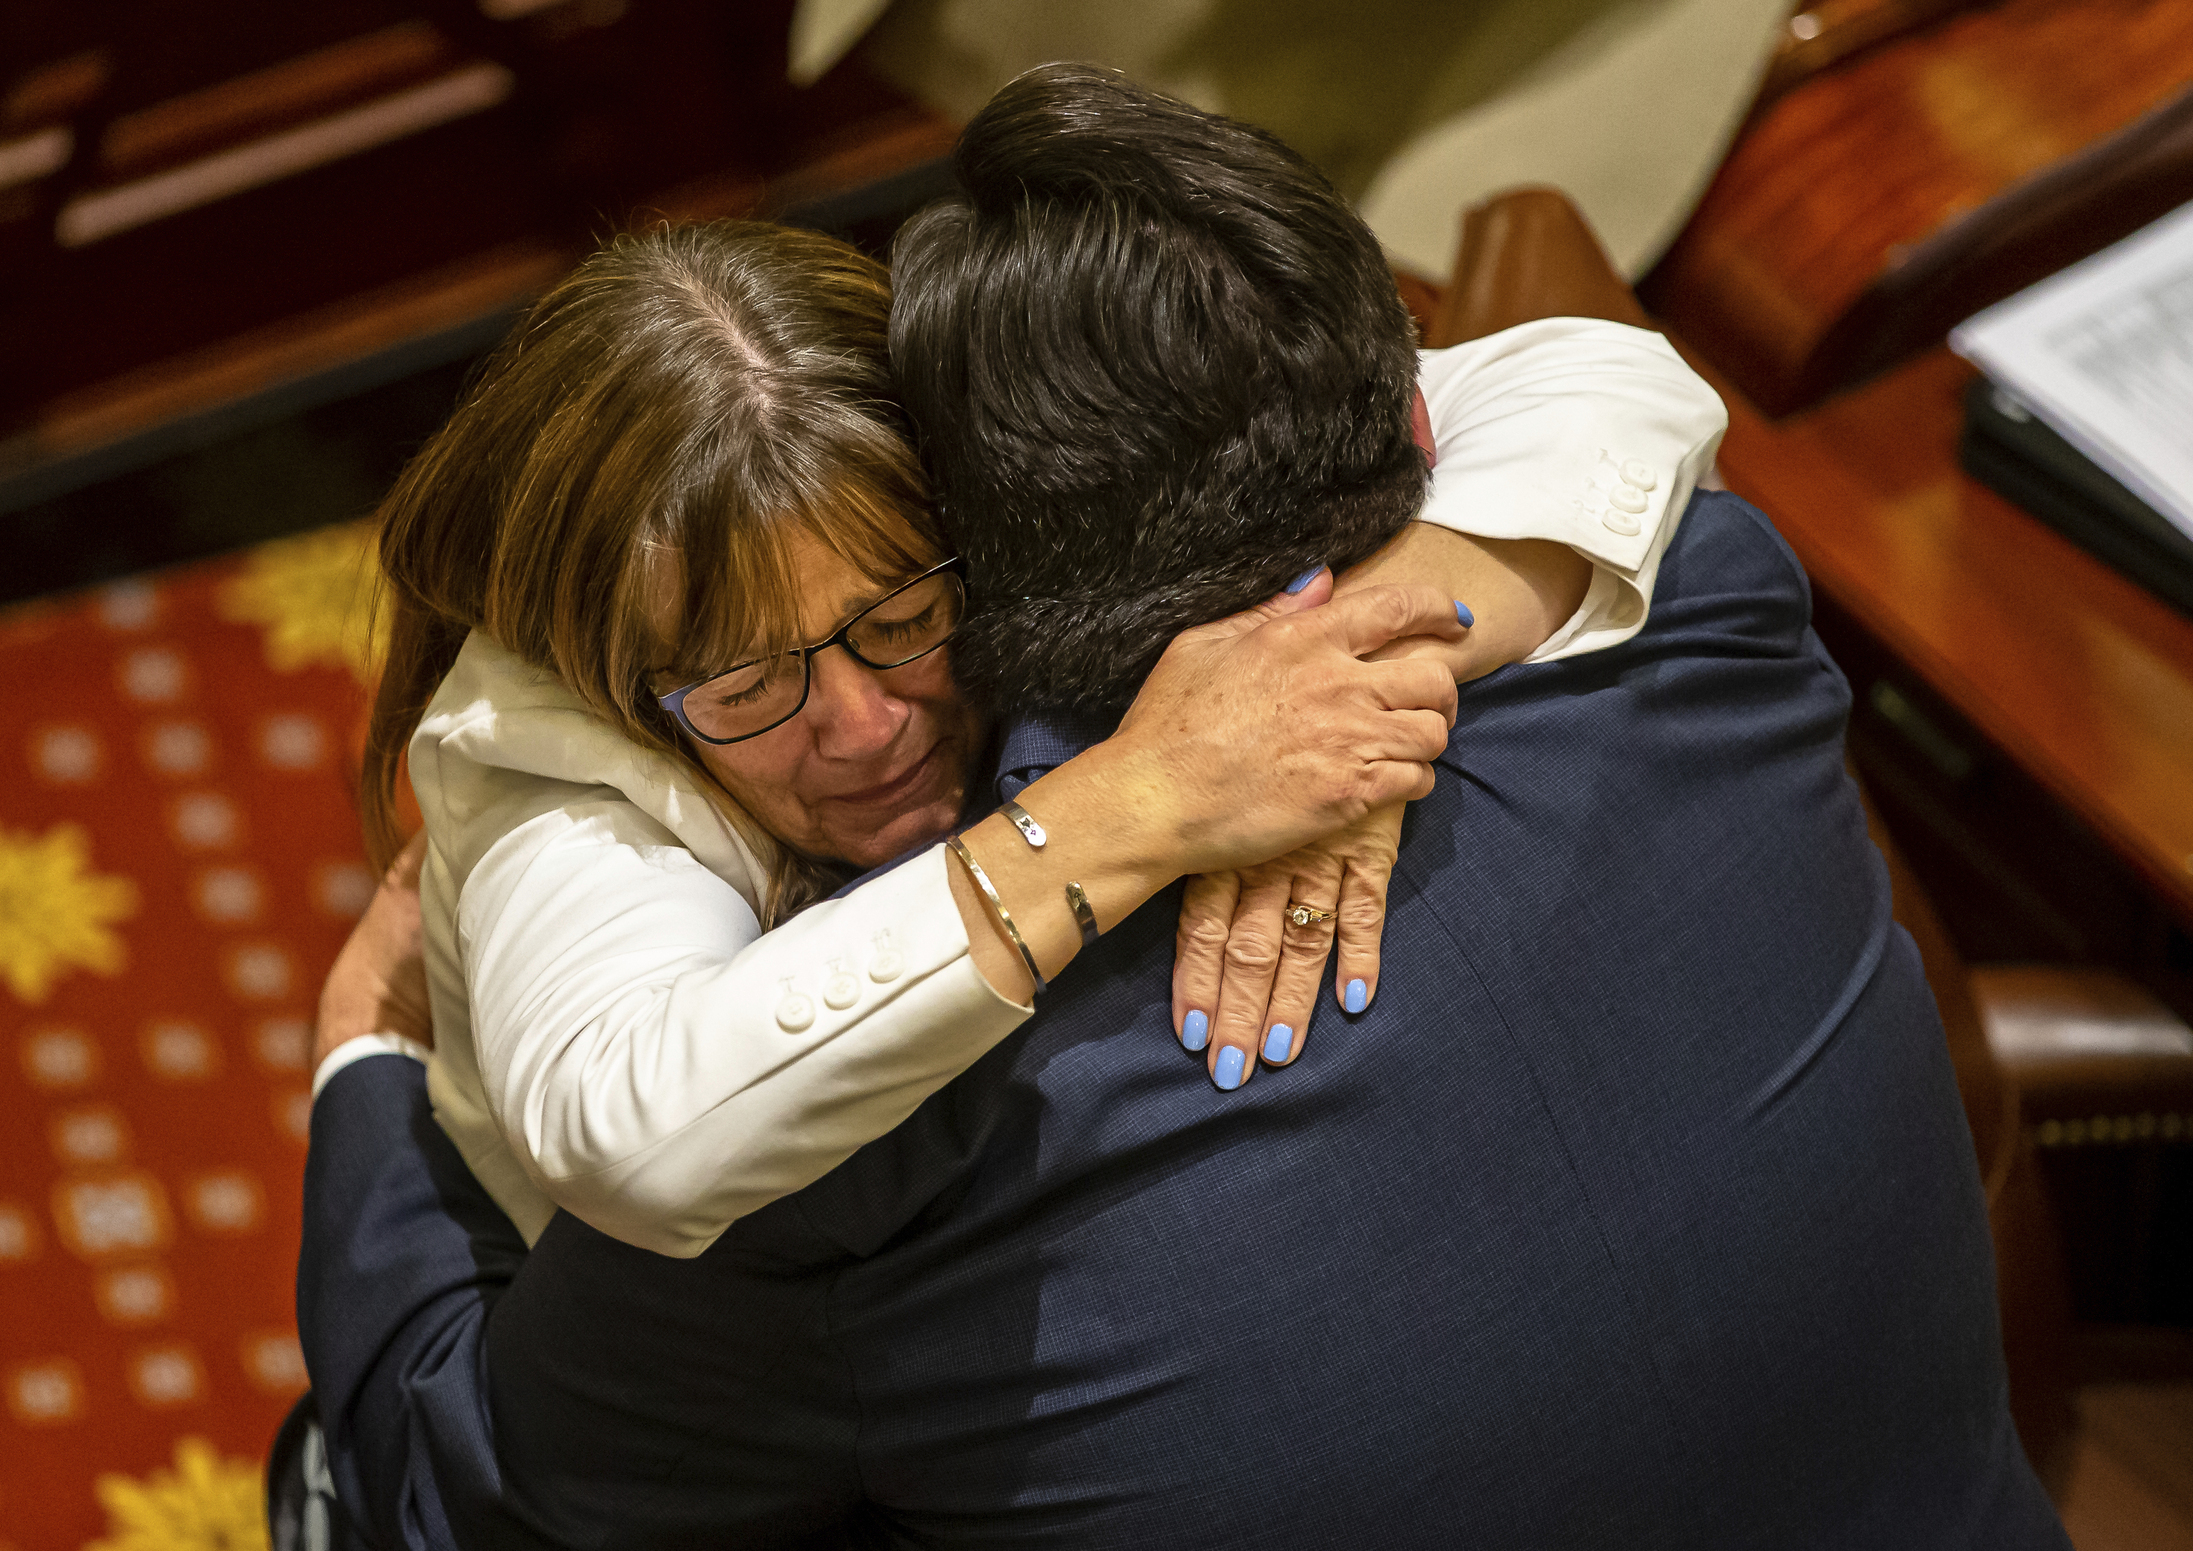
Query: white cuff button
x,y
1624,498
888,964
841,990
794,1011
1639,475
1619,522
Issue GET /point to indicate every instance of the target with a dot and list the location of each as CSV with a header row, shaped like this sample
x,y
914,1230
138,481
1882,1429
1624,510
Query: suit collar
x,y
1033,745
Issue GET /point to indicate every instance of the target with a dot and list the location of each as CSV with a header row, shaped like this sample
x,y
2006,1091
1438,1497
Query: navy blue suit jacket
x,y
1638,1211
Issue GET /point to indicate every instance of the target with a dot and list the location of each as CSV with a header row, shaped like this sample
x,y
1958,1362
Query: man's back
x,y
1638,1210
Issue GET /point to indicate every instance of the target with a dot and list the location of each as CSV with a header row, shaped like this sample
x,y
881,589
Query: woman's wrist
x,y
1519,591
1107,827
1252,736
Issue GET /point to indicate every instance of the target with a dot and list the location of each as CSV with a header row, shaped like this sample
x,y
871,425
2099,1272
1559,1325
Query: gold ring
x,y
1303,915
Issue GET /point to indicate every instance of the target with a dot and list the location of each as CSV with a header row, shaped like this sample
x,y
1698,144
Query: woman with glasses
x,y
670,619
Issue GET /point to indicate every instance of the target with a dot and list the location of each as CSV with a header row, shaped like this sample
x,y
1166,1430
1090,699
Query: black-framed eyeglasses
x,y
756,697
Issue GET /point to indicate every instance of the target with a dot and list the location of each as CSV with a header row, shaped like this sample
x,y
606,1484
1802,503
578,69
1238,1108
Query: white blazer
x,y
613,1032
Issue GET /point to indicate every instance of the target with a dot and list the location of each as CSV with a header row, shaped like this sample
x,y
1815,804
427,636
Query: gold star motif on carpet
x,y
205,1503
55,912
314,596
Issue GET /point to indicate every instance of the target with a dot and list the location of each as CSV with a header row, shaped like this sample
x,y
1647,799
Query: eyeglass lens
x,y
755,696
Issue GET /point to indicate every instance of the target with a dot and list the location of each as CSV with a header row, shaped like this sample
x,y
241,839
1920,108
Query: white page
x,y
2103,353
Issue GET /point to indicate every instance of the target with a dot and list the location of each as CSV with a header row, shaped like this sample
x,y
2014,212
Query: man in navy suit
x,y
1638,1210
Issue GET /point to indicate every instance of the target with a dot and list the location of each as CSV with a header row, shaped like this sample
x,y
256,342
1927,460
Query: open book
x,y
2103,354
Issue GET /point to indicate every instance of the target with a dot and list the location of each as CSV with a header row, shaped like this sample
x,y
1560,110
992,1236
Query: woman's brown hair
x,y
650,434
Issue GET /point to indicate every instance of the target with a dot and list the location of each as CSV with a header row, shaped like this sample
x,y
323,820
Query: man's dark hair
x,y
1158,368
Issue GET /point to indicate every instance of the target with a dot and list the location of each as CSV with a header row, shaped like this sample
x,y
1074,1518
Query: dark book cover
x,y
2007,448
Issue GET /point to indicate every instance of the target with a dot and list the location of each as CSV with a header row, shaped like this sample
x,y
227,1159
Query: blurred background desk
x,y
2025,713
2049,1057
285,232
2013,644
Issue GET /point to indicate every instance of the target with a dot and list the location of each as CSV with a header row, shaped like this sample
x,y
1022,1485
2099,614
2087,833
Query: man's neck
x,y
1032,743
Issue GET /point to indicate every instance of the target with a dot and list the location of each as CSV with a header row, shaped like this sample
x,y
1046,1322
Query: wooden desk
x,y
1881,201
2078,676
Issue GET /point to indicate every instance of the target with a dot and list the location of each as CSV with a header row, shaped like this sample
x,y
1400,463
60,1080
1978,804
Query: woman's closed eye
x,y
742,686
910,629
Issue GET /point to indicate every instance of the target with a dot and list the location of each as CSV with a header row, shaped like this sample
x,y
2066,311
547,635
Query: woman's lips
x,y
900,786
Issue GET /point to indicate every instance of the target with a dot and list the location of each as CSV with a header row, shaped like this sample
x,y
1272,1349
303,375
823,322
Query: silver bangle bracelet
x,y
997,908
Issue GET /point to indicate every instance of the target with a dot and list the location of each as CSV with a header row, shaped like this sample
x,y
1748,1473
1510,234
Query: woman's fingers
x,y
1304,950
1408,684
1247,967
1362,924
1199,947
1247,974
1307,591
1396,780
1417,736
1362,622
377,984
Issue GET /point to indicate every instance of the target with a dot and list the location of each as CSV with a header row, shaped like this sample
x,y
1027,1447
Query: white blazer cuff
x,y
1578,431
352,1051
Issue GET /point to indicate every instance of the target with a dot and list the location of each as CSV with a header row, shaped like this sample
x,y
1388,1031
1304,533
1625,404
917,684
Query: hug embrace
x,y
909,761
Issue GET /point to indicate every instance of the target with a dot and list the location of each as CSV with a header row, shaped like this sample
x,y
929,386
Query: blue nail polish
x,y
1231,1061
1358,997
1304,579
1278,1044
1461,611
1195,1031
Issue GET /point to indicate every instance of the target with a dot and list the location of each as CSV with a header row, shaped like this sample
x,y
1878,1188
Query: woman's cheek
x,y
759,774
926,680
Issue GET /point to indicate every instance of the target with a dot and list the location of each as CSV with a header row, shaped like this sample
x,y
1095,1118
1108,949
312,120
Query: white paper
x,y
2103,353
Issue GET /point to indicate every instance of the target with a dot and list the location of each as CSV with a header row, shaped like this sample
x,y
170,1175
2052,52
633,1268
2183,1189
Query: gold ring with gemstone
x,y
1304,915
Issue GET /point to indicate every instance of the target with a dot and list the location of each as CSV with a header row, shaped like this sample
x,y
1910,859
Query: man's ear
x,y
1420,426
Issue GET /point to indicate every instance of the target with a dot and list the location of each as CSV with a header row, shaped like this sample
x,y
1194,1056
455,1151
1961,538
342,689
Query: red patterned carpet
x,y
179,861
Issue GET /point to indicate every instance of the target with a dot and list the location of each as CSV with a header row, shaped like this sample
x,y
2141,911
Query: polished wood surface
x,y
2080,676
447,297
311,85
1421,297
1882,200
1827,32
2131,1482
174,179
2087,1046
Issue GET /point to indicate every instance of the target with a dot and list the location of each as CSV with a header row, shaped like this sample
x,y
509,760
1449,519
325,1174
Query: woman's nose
x,y
853,713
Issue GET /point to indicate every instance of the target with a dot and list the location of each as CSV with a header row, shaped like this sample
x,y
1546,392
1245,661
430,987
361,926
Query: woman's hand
x,y
1245,976
1520,591
1270,729
1252,737
378,982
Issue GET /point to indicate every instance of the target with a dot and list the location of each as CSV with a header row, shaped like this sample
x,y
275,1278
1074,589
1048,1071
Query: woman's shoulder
x,y
503,744
586,864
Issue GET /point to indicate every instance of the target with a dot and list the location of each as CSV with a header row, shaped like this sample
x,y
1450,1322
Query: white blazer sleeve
x,y
1588,433
660,1068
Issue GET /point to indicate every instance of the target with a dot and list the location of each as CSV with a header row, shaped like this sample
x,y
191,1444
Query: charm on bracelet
x,y
1077,898
1025,822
